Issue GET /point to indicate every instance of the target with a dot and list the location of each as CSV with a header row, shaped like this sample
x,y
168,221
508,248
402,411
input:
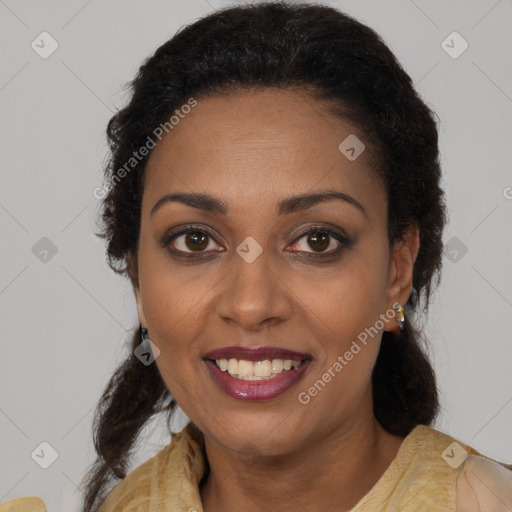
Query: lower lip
x,y
256,389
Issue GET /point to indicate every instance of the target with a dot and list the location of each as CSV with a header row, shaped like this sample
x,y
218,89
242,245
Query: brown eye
x,y
189,241
318,240
196,240
321,243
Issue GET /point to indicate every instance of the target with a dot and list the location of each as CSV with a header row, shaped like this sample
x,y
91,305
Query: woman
x,y
273,196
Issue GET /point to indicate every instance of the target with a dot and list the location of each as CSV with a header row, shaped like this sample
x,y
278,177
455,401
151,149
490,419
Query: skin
x,y
252,150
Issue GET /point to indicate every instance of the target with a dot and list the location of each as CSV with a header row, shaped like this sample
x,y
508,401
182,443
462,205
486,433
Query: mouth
x,y
256,373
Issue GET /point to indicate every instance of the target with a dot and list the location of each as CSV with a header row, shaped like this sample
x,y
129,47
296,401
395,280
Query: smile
x,y
256,373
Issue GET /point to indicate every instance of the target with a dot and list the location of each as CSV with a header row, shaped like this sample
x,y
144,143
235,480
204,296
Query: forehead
x,y
254,148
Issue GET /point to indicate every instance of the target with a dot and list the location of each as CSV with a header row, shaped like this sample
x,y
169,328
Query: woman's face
x,y
249,274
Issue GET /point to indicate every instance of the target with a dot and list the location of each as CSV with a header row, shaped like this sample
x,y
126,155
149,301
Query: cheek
x,y
175,314
172,294
173,303
349,298
344,311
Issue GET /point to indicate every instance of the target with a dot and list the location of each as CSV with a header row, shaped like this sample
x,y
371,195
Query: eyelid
x,y
324,228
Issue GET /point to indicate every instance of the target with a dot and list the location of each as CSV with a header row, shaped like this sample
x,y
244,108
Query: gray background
x,y
65,315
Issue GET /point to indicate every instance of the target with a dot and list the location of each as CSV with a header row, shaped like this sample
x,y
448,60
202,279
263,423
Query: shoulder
x,y
134,490
483,485
162,478
31,504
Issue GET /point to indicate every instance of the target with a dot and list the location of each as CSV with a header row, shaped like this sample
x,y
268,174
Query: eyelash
x,y
344,243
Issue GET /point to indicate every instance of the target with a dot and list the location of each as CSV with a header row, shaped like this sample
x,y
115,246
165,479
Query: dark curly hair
x,y
336,59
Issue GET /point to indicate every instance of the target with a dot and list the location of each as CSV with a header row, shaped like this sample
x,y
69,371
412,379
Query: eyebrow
x,y
286,206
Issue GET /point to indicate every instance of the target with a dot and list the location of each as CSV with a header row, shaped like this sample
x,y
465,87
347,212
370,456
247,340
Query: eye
x,y
190,240
194,242
322,241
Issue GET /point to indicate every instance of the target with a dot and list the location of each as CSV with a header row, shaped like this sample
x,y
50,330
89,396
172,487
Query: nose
x,y
254,294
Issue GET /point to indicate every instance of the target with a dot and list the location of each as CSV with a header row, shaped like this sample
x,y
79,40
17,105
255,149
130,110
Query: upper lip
x,y
256,353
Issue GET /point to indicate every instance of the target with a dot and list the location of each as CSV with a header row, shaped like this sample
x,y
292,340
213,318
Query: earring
x,y
144,332
400,315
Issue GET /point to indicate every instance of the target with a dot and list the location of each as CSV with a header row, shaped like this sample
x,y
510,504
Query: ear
x,y
132,269
401,267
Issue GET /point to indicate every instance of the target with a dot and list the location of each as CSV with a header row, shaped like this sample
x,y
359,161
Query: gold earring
x,y
400,315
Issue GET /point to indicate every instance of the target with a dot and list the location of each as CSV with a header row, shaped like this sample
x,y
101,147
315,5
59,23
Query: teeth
x,y
245,368
277,365
256,370
263,368
233,367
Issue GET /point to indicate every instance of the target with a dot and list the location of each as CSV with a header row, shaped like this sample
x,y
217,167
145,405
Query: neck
x,y
331,473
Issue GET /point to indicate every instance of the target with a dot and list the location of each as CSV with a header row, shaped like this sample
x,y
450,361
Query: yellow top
x,y
24,505
424,476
